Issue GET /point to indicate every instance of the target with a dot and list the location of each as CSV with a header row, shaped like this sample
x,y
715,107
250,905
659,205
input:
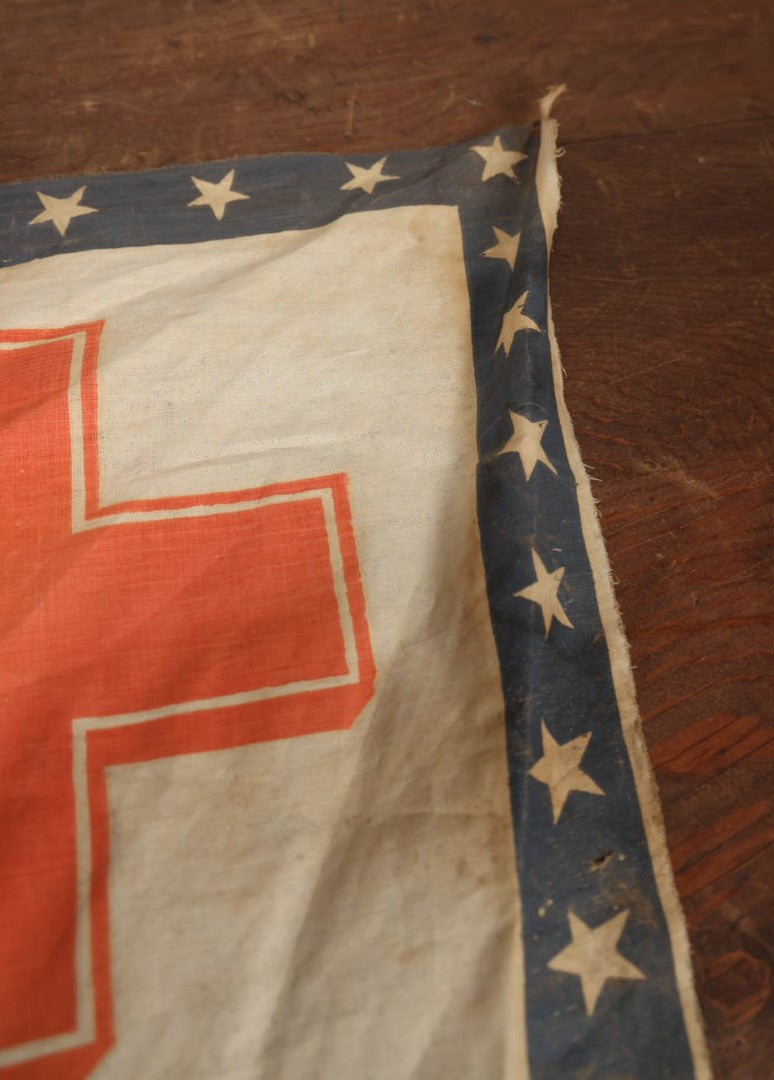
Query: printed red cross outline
x,y
127,633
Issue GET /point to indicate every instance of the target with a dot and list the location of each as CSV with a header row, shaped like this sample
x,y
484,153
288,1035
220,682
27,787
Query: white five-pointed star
x,y
543,591
526,442
367,179
592,955
559,769
216,196
513,321
498,160
61,211
507,246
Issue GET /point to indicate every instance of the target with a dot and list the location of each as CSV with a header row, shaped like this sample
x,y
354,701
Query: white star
x,y
543,591
216,196
513,321
592,955
367,179
525,442
498,160
61,211
507,247
559,769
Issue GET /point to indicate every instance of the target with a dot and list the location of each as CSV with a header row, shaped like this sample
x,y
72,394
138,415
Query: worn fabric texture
x,y
320,754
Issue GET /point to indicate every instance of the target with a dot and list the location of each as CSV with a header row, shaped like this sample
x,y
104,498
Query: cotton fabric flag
x,y
320,753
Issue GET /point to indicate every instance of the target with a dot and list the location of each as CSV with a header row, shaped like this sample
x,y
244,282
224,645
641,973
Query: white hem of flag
x,y
623,679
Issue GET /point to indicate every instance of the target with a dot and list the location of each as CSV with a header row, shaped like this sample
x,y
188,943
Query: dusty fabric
x,y
317,712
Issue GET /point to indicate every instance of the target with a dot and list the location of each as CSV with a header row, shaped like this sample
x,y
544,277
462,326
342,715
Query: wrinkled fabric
x,y
318,718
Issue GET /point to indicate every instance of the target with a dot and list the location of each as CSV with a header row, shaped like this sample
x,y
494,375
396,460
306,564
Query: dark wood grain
x,y
663,292
102,85
663,296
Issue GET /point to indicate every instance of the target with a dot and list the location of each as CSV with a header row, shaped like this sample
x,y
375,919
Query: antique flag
x,y
319,752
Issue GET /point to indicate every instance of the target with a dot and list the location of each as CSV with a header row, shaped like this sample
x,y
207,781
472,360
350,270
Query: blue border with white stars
x,y
586,877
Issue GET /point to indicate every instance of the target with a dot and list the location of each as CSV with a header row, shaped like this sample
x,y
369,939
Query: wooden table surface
x,y
662,286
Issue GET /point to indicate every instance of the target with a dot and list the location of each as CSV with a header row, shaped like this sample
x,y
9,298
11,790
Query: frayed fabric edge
x,y
549,198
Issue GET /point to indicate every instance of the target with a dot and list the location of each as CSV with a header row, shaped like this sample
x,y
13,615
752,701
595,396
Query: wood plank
x,y
101,85
662,291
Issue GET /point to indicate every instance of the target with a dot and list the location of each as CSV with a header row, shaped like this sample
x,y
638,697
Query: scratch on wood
x,y
349,126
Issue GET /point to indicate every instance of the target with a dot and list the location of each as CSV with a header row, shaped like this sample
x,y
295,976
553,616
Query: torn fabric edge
x,y
549,199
